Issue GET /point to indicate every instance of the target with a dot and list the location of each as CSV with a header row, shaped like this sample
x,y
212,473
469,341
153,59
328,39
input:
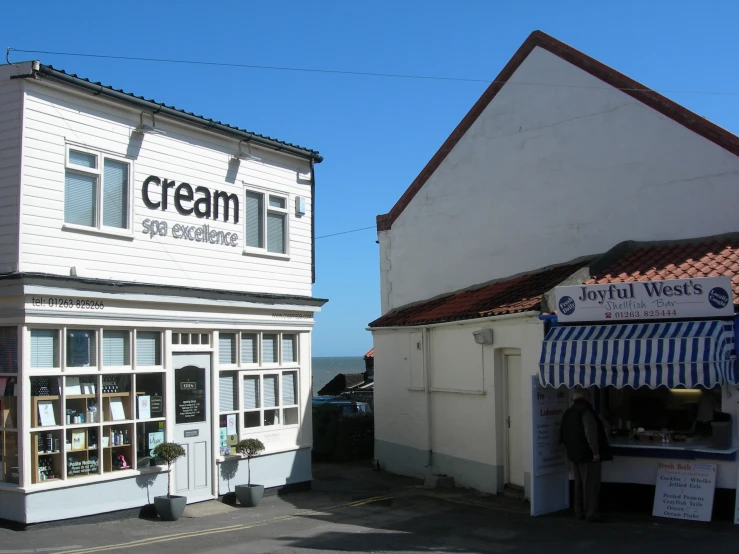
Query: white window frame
x,y
280,407
266,209
97,172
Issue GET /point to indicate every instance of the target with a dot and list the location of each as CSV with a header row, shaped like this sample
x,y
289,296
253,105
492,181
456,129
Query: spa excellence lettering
x,y
193,233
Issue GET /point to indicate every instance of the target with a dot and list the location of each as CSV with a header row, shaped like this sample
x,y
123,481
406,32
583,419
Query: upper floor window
x,y
96,190
266,222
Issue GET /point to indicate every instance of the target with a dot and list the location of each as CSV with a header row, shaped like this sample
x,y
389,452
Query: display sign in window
x,y
190,395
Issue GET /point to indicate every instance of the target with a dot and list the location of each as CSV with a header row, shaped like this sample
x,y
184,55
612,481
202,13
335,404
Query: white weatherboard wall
x,y
11,130
549,174
55,117
464,411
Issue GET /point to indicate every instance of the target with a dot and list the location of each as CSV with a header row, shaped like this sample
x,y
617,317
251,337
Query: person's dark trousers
x,y
587,490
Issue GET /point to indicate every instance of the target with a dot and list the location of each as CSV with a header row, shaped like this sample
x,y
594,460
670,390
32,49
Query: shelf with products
x,y
81,452
9,457
116,398
117,449
46,411
46,458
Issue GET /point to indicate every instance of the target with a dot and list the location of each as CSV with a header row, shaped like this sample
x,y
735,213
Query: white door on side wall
x,y
514,428
192,427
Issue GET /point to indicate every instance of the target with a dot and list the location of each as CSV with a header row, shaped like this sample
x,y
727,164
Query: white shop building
x,y
540,187
156,273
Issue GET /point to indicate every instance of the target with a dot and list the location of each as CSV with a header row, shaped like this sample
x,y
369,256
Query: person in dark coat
x,y
586,442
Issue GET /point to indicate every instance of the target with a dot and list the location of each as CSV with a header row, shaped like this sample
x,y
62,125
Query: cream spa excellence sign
x,y
196,202
676,298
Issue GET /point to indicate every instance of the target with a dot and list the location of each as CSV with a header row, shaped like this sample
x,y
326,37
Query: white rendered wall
x,y
11,129
55,117
465,407
549,174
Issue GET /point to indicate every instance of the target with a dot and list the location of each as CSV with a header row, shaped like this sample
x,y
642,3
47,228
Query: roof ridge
x,y
678,113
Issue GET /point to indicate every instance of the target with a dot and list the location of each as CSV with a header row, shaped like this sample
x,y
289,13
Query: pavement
x,y
352,508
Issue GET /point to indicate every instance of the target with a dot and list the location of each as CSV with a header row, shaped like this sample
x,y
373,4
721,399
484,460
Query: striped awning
x,y
688,353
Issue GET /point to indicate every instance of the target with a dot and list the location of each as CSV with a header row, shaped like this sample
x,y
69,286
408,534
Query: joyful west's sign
x,y
669,299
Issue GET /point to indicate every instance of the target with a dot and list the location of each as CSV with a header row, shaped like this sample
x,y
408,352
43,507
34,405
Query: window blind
x,y
271,399
276,202
289,384
288,348
115,194
276,233
116,348
227,348
44,348
269,349
9,349
148,348
251,393
81,350
79,199
249,348
254,211
82,159
228,399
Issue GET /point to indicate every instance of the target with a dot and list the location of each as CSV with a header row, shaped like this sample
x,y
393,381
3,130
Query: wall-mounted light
x,y
299,206
483,336
148,129
246,155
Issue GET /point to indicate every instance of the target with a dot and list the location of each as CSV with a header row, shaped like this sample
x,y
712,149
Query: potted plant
x,y
169,507
249,495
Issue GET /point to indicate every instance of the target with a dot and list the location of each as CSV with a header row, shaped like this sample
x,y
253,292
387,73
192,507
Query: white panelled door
x,y
193,426
515,438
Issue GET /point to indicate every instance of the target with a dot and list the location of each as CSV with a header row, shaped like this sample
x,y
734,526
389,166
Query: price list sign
x,y
684,490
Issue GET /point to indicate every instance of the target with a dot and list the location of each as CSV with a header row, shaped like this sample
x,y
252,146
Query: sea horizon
x,y
326,368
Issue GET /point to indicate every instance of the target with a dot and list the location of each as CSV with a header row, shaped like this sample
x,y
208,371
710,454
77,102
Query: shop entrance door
x,y
192,427
514,429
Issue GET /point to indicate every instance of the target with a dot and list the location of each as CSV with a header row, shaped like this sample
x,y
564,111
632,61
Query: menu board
x,y
684,490
549,454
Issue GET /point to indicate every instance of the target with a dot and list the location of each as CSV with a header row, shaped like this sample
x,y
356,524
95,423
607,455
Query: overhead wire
x,y
352,72
347,232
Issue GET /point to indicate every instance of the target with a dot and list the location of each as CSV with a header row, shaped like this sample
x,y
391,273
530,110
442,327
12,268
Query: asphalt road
x,y
353,509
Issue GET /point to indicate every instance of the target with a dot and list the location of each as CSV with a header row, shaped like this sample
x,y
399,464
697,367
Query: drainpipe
x,y
313,222
427,387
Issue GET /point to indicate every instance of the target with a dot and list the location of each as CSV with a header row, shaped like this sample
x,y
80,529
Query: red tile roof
x,y
370,354
712,258
654,100
518,294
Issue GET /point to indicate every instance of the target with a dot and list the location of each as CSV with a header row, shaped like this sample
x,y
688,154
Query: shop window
x,y
148,348
82,404
150,395
81,451
96,195
8,349
116,447
289,350
44,348
116,348
266,223
148,436
249,348
9,457
228,397
269,349
45,402
46,456
116,393
227,348
81,350
252,402
228,427
8,403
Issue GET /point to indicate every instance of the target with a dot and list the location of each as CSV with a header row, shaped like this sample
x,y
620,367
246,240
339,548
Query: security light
x,y
246,155
148,129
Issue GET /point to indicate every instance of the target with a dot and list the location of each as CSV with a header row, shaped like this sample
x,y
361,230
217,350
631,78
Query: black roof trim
x,y
262,297
160,108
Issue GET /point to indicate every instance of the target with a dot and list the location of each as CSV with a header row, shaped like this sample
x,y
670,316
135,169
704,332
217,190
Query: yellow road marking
x,y
228,529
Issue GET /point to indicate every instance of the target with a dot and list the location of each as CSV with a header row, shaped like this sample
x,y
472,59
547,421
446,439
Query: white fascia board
x,y
163,299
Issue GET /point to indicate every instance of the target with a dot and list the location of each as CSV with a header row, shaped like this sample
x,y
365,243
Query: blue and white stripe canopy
x,y
689,353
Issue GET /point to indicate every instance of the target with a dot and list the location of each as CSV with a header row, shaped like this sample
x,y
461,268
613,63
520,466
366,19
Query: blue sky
x,y
375,133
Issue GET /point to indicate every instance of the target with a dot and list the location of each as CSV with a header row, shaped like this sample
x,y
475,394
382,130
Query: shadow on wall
x,y
145,481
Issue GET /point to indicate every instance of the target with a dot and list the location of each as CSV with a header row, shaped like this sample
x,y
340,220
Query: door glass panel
x,y
190,394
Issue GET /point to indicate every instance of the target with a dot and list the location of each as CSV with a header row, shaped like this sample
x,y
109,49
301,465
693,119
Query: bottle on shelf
x,y
125,436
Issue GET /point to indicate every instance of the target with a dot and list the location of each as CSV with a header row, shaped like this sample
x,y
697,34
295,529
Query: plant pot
x,y
170,508
249,495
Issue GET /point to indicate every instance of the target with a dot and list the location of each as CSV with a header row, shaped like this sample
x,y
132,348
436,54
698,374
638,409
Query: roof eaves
x,y
171,111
